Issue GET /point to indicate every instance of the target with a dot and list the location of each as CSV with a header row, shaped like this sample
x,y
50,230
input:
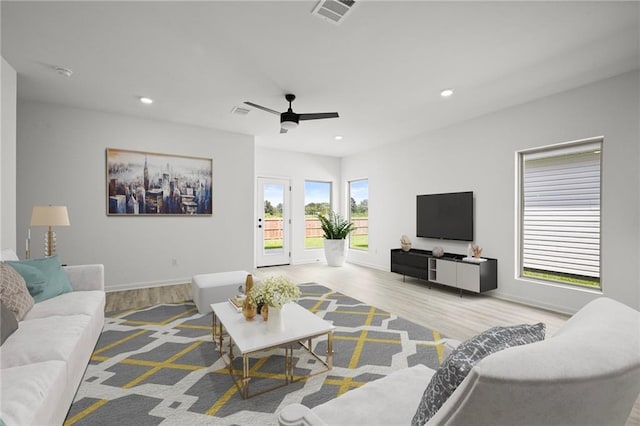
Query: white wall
x,y
8,156
298,167
479,155
61,160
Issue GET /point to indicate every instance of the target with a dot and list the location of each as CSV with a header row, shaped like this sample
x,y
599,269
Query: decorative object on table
x,y
249,307
476,250
152,184
49,216
437,251
237,301
336,229
274,293
277,320
405,242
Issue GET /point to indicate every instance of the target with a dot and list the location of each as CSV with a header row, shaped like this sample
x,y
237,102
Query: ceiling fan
x,y
289,119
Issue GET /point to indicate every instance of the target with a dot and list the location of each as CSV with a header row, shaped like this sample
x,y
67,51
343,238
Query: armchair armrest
x,y
86,277
299,415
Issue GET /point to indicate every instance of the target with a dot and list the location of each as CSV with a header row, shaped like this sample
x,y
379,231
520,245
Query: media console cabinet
x,y
450,269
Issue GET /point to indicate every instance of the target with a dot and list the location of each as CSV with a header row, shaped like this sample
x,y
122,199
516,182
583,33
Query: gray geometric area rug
x,y
158,365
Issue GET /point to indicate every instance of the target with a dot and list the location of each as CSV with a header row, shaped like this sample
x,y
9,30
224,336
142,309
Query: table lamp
x,y
49,216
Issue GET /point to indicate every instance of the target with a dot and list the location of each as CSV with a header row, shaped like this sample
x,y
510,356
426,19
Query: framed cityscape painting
x,y
151,184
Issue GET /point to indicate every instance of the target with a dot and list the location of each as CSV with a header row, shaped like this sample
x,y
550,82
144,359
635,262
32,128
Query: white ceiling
x,y
382,68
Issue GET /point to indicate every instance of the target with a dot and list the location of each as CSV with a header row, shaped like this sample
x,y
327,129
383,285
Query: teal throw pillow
x,y
45,277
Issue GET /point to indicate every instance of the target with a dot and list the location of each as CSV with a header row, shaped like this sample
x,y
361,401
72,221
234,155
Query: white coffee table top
x,y
251,336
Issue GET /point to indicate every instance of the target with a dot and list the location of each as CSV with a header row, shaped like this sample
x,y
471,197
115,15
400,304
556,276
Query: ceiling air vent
x,y
333,10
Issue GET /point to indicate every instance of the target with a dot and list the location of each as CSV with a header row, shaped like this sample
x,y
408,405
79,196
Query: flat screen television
x,y
445,216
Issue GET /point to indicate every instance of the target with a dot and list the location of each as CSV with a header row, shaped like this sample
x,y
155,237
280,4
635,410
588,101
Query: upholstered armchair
x,y
588,373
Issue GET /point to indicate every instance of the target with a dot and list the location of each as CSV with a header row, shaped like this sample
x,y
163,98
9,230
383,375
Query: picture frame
x,y
141,183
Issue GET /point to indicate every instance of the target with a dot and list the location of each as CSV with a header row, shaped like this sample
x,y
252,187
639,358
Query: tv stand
x,y
449,270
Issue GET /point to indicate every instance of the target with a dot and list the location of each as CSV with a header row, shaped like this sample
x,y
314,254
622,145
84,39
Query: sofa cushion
x,y
458,365
8,322
75,303
45,277
31,393
391,400
46,339
13,291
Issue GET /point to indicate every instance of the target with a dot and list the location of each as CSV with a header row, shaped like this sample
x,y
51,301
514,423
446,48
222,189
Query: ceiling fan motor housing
x,y
289,116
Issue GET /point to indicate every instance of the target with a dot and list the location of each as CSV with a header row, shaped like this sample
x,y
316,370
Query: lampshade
x,y
288,125
49,216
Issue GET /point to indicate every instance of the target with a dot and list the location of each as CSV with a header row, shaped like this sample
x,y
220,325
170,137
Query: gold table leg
x,y
330,350
288,364
245,376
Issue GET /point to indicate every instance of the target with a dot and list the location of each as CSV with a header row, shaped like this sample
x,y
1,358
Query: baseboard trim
x,y
368,265
532,303
150,284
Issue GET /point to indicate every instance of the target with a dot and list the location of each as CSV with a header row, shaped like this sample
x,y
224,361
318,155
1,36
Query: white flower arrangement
x,y
276,291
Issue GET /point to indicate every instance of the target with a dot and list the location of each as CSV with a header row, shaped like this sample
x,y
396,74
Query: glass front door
x,y
273,222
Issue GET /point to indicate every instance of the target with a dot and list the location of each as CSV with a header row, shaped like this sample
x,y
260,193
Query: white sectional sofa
x,y
44,360
588,373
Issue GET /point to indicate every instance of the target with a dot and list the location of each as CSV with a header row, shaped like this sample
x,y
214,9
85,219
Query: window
x,y
560,213
273,216
359,214
317,200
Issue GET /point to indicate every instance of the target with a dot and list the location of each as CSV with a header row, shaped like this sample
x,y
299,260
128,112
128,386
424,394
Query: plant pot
x,y
335,251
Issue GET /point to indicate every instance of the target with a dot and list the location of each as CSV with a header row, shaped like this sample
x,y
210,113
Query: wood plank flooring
x,y
140,298
436,307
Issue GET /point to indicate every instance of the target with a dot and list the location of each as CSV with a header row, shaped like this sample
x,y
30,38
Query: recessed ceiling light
x,y
446,93
145,100
339,138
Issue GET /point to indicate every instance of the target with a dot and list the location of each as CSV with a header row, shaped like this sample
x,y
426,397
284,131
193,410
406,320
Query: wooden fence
x,y
312,228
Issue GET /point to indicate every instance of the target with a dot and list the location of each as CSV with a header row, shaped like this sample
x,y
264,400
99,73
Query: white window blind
x,y
561,210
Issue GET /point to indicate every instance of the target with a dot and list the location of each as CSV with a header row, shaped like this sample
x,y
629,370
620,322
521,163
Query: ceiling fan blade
x,y
262,108
318,115
283,130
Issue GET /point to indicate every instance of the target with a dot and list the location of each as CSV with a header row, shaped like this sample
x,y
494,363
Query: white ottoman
x,y
216,287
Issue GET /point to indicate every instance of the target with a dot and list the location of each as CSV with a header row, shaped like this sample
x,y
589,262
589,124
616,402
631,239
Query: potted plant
x,y
336,229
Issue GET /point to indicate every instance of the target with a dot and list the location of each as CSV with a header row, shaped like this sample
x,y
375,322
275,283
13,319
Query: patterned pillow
x,y
13,291
458,365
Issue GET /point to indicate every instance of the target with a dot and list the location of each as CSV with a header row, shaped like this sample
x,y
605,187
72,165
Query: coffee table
x,y
249,337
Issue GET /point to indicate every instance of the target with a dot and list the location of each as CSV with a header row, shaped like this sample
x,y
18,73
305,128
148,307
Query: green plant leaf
x,y
334,226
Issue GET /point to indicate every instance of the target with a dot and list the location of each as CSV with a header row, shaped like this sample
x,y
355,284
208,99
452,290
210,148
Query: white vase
x,y
276,320
335,251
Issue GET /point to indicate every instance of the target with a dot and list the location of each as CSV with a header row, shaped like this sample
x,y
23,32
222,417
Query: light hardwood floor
x,y
439,308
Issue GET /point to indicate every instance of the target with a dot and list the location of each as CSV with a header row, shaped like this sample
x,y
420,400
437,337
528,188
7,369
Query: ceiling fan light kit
x,y
288,125
289,119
